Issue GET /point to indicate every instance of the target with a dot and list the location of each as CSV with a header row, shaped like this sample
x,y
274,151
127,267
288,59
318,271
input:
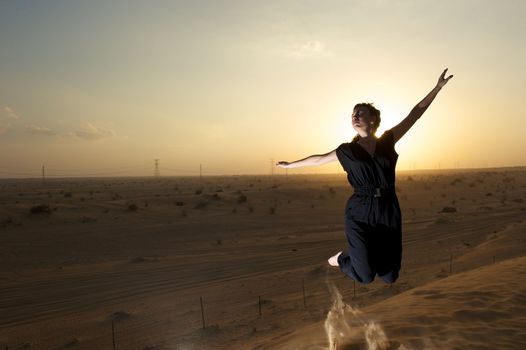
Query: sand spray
x,y
346,325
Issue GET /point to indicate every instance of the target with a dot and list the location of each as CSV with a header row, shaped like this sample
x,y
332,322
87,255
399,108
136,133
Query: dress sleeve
x,y
344,155
388,139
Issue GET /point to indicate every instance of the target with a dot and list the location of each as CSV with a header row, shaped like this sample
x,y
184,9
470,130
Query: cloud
x,y
290,46
309,48
3,127
92,132
39,130
6,115
8,112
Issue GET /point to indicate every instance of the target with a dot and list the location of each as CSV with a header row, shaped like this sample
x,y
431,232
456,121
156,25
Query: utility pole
x,y
272,166
43,175
200,171
156,171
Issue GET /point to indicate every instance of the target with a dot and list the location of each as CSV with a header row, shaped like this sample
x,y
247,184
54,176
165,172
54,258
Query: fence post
x,y
202,312
304,298
113,333
259,305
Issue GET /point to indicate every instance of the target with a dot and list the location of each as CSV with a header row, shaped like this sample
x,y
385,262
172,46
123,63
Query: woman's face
x,y
362,120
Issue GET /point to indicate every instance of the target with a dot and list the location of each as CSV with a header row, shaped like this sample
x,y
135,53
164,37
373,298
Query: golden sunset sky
x,y
105,87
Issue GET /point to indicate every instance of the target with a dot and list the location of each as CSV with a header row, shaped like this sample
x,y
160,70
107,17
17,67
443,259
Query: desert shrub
x,y
132,207
200,205
179,203
87,219
67,194
198,191
6,221
449,210
272,210
40,209
441,220
242,199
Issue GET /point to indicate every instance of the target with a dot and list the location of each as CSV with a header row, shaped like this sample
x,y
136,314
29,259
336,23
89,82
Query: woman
x,y
373,222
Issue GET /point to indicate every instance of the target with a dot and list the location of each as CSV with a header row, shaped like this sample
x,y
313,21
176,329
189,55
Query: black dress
x,y
373,220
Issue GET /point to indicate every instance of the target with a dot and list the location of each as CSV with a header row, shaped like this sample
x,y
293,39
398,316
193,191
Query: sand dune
x,y
144,253
484,308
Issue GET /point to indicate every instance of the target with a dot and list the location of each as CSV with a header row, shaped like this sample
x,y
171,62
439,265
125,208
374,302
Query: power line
x,y
156,171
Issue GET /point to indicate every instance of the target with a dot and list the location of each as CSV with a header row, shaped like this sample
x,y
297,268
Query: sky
x,y
103,88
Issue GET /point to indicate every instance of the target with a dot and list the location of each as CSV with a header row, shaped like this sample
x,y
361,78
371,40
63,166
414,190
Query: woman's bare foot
x,y
333,260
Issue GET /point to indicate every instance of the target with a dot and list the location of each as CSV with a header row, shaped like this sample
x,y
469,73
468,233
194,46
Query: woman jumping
x,y
373,220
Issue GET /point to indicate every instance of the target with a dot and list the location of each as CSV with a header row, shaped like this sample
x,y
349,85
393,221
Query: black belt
x,y
374,191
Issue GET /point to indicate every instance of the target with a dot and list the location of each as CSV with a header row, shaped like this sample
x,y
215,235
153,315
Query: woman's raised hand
x,y
443,81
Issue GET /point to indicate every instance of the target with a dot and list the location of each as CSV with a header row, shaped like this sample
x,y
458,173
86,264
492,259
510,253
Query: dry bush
x,y
200,205
132,207
40,209
449,210
242,199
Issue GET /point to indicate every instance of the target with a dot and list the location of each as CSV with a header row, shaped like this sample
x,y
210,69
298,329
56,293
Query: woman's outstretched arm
x,y
315,159
417,111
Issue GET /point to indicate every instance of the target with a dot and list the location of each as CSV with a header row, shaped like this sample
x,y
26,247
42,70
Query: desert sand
x,y
240,262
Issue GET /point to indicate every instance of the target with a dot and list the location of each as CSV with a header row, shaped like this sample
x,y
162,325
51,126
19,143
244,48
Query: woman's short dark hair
x,y
372,111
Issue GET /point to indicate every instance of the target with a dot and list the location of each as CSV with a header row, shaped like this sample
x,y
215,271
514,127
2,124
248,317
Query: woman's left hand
x,y
442,81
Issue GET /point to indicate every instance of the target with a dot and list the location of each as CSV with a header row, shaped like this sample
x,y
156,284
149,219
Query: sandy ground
x,y
142,255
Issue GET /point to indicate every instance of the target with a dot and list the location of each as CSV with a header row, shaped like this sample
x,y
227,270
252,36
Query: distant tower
x,y
156,172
